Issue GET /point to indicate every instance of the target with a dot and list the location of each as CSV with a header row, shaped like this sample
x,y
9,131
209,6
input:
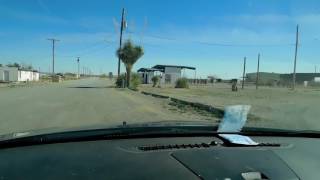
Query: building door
x,y
6,76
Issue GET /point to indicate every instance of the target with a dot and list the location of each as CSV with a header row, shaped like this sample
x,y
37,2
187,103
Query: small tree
x,y
129,54
155,80
14,65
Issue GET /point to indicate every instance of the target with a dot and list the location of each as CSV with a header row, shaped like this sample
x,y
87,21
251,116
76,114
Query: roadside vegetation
x,y
135,81
155,80
129,55
182,83
103,76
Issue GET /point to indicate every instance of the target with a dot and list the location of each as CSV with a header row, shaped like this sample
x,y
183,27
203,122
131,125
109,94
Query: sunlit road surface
x,y
76,104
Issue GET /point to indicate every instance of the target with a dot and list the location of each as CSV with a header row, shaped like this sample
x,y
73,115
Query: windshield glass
x,y
81,64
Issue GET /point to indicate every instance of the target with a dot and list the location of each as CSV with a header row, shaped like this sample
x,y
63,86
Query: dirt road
x,y
78,103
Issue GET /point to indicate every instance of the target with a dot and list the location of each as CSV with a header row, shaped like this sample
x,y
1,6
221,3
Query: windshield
x,y
81,64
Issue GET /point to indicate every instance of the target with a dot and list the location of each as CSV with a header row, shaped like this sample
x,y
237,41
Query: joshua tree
x,y
129,54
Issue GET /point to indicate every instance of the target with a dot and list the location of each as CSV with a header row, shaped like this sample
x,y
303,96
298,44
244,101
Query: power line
x,y
215,44
89,50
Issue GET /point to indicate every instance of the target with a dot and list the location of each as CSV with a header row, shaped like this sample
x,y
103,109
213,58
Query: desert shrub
x,y
155,80
135,81
182,83
120,80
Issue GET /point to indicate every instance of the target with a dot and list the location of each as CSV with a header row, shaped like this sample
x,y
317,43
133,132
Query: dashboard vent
x,y
177,146
199,145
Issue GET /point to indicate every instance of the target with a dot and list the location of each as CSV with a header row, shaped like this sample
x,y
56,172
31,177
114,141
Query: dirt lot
x,y
272,107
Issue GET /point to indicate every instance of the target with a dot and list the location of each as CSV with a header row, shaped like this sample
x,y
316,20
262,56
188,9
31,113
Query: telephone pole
x,y
295,59
244,72
120,43
257,76
53,43
78,61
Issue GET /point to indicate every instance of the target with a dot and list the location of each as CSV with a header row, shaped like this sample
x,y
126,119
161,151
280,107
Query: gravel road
x,y
79,103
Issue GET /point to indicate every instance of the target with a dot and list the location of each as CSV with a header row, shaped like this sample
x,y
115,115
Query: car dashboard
x,y
164,158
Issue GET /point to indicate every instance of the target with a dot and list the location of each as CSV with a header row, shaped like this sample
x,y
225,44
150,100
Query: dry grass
x,y
273,107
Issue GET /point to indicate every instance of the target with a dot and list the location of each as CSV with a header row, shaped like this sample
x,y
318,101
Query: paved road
x,y
75,104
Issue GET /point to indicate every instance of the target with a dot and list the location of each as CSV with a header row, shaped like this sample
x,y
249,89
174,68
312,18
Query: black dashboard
x,y
163,158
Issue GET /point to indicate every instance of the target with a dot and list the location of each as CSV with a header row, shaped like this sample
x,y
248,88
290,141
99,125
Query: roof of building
x,y
7,68
148,70
25,69
161,67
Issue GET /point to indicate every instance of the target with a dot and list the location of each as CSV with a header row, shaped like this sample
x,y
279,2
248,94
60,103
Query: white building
x,y
168,73
171,73
28,75
13,74
147,74
8,74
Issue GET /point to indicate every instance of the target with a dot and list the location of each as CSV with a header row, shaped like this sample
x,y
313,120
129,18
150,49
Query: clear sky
x,y
211,35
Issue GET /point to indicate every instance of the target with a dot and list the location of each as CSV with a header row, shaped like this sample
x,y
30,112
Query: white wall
x,y
13,73
173,72
28,76
150,76
147,75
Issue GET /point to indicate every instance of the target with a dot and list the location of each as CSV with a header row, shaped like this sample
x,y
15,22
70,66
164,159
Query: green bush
x,y
182,83
155,80
120,80
135,80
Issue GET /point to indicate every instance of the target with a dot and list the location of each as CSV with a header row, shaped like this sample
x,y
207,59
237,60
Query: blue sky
x,y
211,35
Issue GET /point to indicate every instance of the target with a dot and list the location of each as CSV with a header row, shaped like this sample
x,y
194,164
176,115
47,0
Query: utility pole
x,y
53,43
295,59
121,31
78,61
244,72
257,76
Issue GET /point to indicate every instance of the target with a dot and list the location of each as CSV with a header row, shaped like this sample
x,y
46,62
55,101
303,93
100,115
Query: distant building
x,y
147,74
14,74
168,73
8,74
28,75
171,73
266,78
300,78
